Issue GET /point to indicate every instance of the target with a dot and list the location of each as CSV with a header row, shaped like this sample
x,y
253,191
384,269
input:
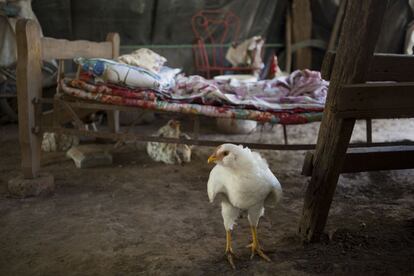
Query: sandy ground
x,y
139,217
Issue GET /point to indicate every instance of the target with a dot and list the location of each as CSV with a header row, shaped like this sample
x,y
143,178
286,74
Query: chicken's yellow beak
x,y
212,159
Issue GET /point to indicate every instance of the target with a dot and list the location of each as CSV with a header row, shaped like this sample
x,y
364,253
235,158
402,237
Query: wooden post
x,y
29,87
113,116
288,35
360,32
337,26
302,31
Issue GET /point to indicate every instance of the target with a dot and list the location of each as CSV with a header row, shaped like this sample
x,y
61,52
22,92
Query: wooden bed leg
x,y
360,32
29,88
285,136
113,120
369,130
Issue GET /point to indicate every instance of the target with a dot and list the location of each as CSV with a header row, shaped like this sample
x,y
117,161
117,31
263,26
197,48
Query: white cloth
x,y
144,58
8,48
409,39
247,53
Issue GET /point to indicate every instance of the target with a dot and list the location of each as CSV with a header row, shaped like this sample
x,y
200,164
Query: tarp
x,y
143,22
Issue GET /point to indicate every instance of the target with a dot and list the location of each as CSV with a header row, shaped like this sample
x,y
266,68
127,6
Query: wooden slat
x,y
391,67
113,116
288,38
302,31
65,49
64,116
200,142
327,65
146,138
376,159
376,100
370,159
384,67
114,39
337,25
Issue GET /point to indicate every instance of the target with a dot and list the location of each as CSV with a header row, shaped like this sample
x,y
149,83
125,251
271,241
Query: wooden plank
x,y
384,67
368,130
307,167
64,116
302,31
113,116
115,40
337,25
376,100
113,120
65,49
146,138
327,65
288,37
370,159
359,35
392,67
29,87
375,159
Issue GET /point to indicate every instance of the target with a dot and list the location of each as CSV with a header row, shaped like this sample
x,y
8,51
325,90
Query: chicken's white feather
x,y
246,181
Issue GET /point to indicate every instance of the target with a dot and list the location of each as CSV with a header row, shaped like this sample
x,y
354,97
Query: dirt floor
x,y
140,217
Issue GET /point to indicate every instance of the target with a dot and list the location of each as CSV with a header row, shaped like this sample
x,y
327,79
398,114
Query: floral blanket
x,y
300,90
154,100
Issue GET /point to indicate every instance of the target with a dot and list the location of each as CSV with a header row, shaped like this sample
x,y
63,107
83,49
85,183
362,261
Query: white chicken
x,y
245,182
167,152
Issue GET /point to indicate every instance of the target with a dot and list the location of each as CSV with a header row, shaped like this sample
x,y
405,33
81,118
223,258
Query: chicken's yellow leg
x,y
256,249
229,249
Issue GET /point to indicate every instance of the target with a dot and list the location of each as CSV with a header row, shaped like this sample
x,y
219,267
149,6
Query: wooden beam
x,y
288,38
302,31
113,116
29,88
384,67
370,159
65,49
337,25
47,118
359,35
392,67
375,159
146,138
327,65
115,40
376,100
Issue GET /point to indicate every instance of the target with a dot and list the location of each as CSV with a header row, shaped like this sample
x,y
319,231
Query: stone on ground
x,y
44,184
90,156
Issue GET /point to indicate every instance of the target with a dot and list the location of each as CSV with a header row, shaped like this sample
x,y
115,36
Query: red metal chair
x,y
212,30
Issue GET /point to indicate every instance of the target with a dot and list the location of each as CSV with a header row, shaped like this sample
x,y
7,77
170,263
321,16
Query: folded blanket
x,y
108,95
301,89
122,74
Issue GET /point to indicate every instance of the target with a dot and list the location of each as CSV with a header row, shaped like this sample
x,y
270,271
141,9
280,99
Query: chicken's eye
x,y
225,153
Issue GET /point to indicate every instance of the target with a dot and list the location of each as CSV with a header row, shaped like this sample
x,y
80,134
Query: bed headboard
x,y
32,49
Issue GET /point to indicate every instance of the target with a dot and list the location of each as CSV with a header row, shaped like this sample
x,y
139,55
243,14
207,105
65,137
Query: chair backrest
x,y
213,28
